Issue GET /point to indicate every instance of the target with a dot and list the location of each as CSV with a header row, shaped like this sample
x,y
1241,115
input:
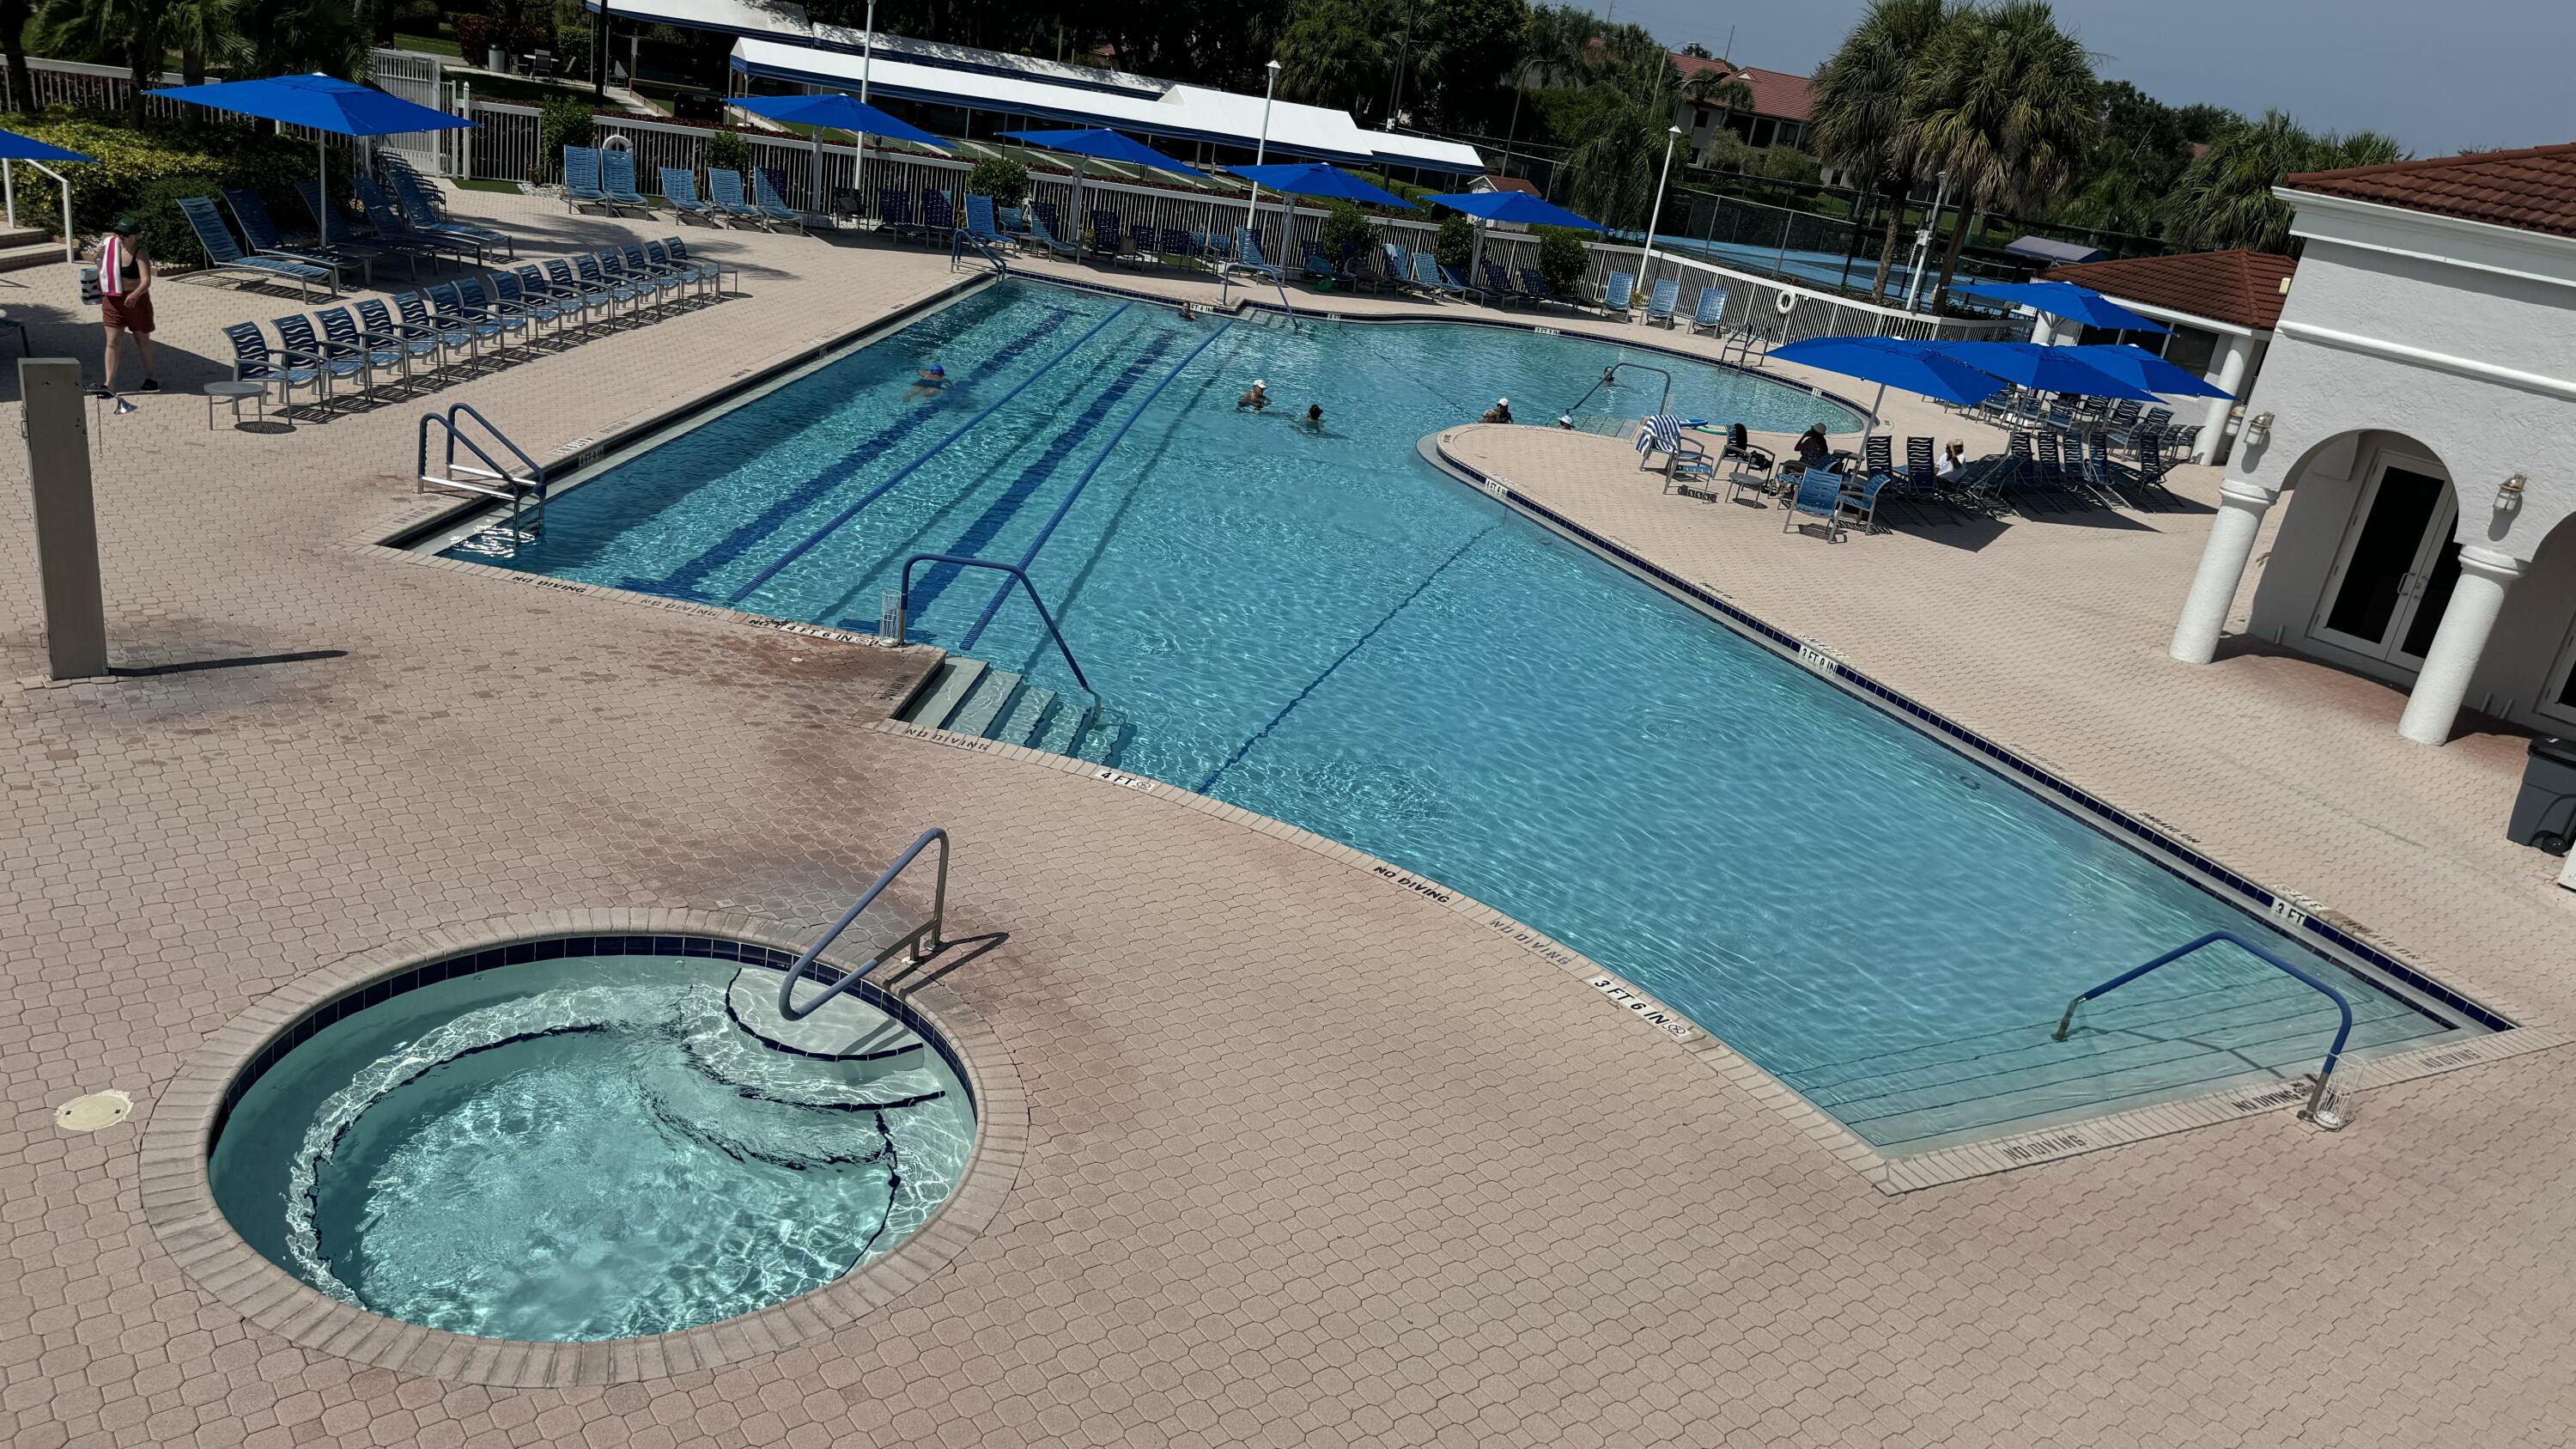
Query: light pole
x,y
859,157
1395,85
1646,267
1260,153
1923,242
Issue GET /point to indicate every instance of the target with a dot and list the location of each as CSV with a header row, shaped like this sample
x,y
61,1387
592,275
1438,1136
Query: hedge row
x,y
146,169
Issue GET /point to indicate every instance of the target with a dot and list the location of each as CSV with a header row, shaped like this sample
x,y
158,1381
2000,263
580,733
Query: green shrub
x,y
1345,230
1001,178
145,170
565,121
1788,163
727,151
1562,258
1456,244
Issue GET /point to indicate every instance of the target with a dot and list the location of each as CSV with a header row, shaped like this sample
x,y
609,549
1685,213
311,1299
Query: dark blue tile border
x,y
556,948
2204,873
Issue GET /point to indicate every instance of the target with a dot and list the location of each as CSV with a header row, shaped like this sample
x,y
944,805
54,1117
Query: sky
x,y
2437,76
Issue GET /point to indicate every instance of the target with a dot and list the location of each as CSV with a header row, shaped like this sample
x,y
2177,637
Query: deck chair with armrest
x,y
724,192
225,255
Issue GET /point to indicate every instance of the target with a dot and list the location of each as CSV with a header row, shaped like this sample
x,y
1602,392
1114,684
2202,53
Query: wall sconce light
x,y
2258,428
2509,493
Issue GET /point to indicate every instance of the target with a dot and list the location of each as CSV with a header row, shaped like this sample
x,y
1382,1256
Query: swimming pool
x,y
1320,628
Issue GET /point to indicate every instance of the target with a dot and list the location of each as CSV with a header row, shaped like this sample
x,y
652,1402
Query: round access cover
x,y
93,1112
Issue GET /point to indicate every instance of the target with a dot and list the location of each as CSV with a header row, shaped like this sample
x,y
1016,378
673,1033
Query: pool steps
x,y
969,697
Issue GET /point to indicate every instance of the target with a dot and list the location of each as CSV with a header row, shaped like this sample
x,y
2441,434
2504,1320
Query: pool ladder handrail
x,y
903,607
959,240
1663,406
924,939
2334,1053
491,479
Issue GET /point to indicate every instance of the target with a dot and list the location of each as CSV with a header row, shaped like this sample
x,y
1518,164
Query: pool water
x,y
581,1149
1321,628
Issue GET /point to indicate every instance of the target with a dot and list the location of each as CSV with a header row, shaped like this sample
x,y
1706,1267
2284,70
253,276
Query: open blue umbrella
x,y
318,103
2065,299
1894,362
1514,206
2050,369
838,112
1314,178
2137,365
14,147
1107,145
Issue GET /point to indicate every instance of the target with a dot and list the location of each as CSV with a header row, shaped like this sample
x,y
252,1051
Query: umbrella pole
x,y
1476,254
322,174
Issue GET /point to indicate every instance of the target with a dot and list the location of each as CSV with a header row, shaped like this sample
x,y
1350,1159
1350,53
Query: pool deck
x,y
1310,1159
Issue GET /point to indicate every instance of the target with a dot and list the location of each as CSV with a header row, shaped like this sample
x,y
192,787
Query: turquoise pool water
x,y
580,1149
1320,628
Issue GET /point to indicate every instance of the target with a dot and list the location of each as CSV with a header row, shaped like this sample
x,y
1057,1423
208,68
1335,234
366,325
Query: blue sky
x,y
2436,76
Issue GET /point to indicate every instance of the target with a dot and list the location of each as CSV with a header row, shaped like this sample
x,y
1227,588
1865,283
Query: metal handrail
x,y
516,488
1661,407
2334,1053
903,609
534,469
960,238
9,198
927,931
1074,494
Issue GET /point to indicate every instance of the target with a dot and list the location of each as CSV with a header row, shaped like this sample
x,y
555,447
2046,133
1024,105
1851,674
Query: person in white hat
x,y
1257,399
1500,412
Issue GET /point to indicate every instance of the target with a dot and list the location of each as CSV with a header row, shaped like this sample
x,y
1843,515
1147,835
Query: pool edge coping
x,y
178,1203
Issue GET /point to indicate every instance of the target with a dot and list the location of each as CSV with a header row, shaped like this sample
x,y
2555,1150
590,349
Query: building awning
x,y
2048,251
1180,112
786,22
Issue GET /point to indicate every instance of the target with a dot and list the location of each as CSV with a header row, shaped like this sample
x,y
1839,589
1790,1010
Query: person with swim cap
x,y
1257,399
1500,412
929,382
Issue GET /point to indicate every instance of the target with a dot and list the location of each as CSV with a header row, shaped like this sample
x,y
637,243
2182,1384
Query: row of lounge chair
x,y
605,178
450,328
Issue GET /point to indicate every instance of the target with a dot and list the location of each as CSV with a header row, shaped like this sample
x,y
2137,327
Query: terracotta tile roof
x,y
2529,190
1506,183
1775,93
2239,287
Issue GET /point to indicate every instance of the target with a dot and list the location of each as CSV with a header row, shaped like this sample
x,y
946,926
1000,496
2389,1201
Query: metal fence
x,y
102,87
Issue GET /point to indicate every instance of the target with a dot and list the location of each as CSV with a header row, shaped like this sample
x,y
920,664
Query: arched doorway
x,y
2399,558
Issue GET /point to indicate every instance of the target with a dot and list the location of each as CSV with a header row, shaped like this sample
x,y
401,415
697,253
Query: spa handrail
x,y
2333,1053
924,938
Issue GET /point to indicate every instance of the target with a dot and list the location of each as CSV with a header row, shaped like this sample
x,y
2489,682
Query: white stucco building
x,y
2219,309
2416,416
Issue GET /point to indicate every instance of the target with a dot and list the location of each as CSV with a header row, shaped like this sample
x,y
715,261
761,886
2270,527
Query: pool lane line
x,y
908,469
1106,450
1007,504
685,579
1311,685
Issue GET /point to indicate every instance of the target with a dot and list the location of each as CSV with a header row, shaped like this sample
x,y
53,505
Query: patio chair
x,y
668,277
556,283
724,192
376,324
769,193
1860,500
2092,466
2181,441
1247,255
223,254
259,229
2149,476
1430,277
938,214
1392,265
617,181
592,268
1710,315
712,269
1751,463
454,337
980,225
1498,285
1534,286
1314,266
255,361
1661,304
694,273
1920,483
412,197
448,312
393,231
1108,239
340,362
512,291
1818,496
680,189
581,178
845,206
894,214
1657,433
1047,230
341,330
1618,295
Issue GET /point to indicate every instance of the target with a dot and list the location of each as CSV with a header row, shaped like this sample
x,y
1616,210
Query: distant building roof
x,y
1505,183
2051,250
2528,190
2239,287
1775,93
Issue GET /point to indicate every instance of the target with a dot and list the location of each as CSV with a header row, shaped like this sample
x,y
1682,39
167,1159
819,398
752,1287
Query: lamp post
x,y
1260,152
859,157
1646,267
1923,242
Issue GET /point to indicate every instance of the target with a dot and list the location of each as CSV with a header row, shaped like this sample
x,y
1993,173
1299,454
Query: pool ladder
x,y
2317,1110
485,476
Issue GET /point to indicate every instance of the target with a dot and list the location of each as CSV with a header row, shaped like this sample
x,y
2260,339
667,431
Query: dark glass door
x,y
2374,596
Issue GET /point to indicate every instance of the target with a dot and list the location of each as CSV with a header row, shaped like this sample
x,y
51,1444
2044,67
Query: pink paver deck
x,y
1310,1158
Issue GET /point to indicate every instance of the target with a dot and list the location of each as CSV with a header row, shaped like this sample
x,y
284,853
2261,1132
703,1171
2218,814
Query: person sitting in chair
x,y
1954,462
1812,449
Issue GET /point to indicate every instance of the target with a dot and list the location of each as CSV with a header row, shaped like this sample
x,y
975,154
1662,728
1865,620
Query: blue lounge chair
x,y
1314,266
668,279
724,191
1498,285
769,195
581,177
255,361
1391,263
483,299
1618,295
454,337
562,287
539,309
1664,301
938,214
376,323
1710,315
1428,275
1108,238
385,354
448,311
1920,482
1819,496
1047,230
980,224
680,189
894,214
711,269
224,254
692,273
260,230
339,362
587,267
1534,286
617,181
1247,255
413,198
393,230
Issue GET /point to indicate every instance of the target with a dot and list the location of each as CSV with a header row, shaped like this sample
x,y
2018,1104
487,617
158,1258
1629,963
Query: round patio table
x,y
233,391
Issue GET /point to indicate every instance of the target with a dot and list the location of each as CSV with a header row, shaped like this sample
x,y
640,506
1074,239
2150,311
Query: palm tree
x,y
2224,198
2004,102
1856,112
1335,53
1618,139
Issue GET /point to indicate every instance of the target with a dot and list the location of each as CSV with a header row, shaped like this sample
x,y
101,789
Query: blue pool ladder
x,y
2316,1110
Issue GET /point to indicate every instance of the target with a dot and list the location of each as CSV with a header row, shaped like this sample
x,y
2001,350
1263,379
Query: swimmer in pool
x,y
1257,399
930,382
1313,422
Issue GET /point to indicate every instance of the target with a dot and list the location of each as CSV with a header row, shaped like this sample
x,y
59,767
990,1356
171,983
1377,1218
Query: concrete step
x,y
957,677
1021,724
991,696
18,256
1065,726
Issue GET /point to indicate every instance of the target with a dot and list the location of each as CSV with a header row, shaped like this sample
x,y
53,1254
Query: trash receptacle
x,y
2544,814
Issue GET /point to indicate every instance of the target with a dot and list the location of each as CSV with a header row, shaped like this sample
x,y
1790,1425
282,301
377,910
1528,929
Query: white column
x,y
2466,622
2234,350
2241,506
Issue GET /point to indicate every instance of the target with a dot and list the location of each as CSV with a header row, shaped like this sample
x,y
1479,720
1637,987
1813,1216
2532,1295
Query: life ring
x,y
1784,302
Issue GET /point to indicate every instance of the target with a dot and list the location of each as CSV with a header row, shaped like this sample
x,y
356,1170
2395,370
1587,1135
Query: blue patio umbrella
x,y
1313,178
1511,206
2137,365
835,111
1894,362
2050,369
14,147
1108,146
2065,299
319,103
